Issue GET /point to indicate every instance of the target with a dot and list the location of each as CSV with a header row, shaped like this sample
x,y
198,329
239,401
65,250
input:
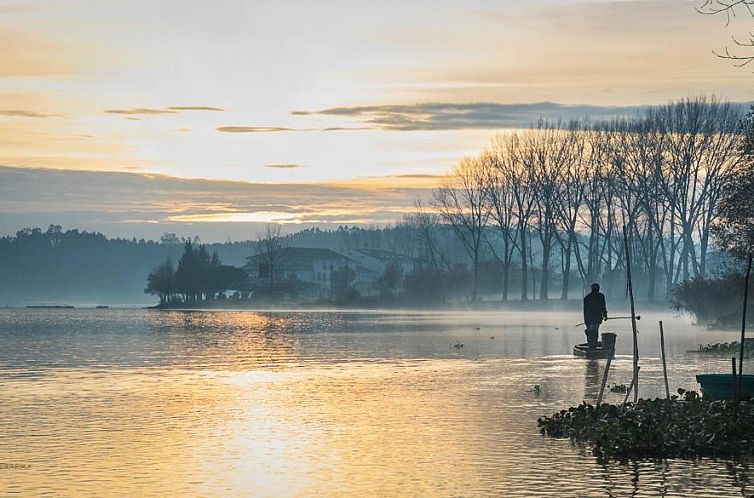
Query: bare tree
x,y
569,202
551,147
428,226
518,166
702,151
462,202
502,208
271,246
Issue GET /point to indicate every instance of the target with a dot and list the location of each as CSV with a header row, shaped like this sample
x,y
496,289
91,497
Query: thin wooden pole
x,y
735,386
635,382
664,363
604,382
743,328
630,389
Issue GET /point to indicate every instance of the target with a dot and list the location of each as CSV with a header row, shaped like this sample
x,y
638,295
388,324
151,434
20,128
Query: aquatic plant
x,y
686,426
726,348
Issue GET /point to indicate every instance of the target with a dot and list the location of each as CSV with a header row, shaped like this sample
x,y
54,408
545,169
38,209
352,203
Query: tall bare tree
x,y
462,202
271,246
502,208
427,227
569,202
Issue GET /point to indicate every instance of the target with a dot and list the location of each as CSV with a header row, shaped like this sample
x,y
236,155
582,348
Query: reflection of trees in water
x,y
675,477
739,473
619,477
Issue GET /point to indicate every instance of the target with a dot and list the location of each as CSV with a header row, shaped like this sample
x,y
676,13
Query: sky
x,y
211,118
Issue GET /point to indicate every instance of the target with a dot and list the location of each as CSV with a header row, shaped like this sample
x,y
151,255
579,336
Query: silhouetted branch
x,y
741,60
730,8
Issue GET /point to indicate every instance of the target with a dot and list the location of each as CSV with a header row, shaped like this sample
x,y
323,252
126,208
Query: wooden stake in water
x,y
735,378
664,364
630,388
635,381
604,379
743,330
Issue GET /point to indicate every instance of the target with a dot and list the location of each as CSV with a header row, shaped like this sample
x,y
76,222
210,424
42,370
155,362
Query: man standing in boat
x,y
595,311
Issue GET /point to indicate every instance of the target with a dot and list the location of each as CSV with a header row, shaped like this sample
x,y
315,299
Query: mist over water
x,y
244,403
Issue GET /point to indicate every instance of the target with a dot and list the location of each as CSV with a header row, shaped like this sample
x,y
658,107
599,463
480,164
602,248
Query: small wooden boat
x,y
604,350
722,386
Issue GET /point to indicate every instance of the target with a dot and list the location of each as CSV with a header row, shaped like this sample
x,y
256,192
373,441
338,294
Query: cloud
x,y
420,176
27,114
195,108
149,111
253,129
283,166
268,129
474,115
140,110
146,205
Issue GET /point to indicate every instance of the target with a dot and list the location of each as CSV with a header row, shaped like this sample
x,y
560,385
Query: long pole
x,y
664,364
638,317
735,386
630,388
743,328
633,316
604,380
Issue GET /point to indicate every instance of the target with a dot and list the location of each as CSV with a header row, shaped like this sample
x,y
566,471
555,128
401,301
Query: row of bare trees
x,y
554,199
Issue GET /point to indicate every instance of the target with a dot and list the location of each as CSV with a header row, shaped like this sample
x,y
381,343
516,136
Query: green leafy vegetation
x,y
715,302
686,426
732,348
200,276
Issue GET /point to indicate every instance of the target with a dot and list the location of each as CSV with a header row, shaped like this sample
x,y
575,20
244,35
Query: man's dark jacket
x,y
595,309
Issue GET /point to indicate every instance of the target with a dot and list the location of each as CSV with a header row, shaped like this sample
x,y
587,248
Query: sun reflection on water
x,y
315,404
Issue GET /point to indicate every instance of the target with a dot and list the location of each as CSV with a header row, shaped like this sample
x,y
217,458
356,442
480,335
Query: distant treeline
x,y
72,266
53,265
56,266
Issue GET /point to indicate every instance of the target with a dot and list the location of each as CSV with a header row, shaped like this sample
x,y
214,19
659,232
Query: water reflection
x,y
591,380
319,404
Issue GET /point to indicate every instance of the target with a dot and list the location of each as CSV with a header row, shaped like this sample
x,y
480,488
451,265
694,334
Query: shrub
x,y
713,301
684,427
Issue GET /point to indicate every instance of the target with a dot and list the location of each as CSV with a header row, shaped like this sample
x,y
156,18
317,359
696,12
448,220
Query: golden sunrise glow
x,y
386,97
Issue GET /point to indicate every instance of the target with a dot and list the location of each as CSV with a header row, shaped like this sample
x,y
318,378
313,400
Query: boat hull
x,y
599,353
722,386
604,350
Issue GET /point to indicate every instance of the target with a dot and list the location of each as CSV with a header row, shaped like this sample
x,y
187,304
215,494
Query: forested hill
x,y
56,266
76,267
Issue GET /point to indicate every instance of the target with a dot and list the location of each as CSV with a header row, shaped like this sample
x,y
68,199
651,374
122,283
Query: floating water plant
x,y
686,426
726,348
619,388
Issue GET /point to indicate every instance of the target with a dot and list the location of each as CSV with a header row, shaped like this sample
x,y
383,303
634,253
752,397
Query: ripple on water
x,y
319,404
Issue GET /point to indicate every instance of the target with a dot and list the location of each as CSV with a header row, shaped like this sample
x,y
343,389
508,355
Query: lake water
x,y
137,403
